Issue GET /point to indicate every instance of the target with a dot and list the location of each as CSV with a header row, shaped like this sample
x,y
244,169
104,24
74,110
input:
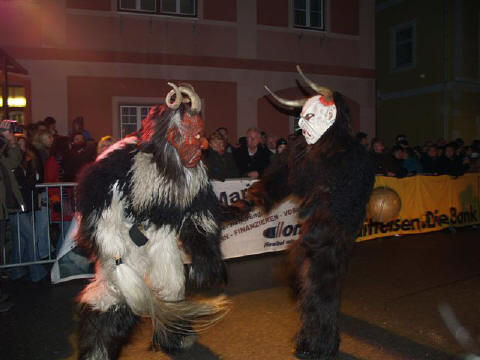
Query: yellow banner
x,y
428,203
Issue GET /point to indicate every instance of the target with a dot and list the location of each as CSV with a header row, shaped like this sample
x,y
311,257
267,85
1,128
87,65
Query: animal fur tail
x,y
177,317
167,316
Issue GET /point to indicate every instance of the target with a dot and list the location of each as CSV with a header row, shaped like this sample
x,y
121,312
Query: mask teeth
x,y
309,128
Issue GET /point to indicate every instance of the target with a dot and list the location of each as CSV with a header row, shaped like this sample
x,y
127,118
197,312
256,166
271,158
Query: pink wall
x,y
185,60
23,28
313,48
91,97
139,34
272,12
223,10
74,46
345,16
89,4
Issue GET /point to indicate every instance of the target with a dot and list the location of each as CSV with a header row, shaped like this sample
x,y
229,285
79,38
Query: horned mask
x,y
187,135
318,112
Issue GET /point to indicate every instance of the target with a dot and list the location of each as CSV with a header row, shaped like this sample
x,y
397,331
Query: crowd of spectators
x,y
249,157
439,157
29,156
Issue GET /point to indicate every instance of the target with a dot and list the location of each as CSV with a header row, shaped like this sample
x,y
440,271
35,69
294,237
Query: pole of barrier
x,y
20,246
18,238
48,227
62,234
34,228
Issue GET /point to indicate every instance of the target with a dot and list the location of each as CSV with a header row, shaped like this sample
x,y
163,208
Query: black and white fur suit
x,y
332,179
140,190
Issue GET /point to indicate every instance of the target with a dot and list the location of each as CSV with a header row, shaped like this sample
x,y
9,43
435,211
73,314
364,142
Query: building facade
x,y
428,69
110,60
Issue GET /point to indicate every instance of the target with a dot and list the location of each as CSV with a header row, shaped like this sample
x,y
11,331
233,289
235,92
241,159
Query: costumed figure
x,y
331,175
144,200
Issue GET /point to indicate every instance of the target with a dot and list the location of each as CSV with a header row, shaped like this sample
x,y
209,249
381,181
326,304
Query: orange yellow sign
x,y
429,203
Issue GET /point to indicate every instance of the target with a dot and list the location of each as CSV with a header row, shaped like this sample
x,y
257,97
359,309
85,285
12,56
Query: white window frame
x,y
177,9
393,40
307,20
138,116
158,9
138,7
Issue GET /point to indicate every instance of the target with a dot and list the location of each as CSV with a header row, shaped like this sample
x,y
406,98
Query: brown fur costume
x,y
332,179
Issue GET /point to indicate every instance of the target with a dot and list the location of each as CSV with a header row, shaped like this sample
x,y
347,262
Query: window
x,y
309,14
167,7
403,46
131,117
138,5
178,7
16,103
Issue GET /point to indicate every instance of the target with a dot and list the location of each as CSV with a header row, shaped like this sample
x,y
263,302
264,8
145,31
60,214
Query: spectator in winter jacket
x,y
79,155
220,163
25,246
253,159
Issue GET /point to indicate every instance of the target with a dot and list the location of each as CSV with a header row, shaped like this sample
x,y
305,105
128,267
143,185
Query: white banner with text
x,y
260,232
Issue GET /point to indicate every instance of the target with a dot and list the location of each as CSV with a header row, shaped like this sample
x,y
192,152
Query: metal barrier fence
x,y
34,237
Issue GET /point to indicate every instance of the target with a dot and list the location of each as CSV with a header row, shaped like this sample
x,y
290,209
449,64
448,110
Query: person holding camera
x,y
19,187
10,197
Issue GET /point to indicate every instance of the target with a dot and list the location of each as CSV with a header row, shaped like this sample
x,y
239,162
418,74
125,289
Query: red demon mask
x,y
186,136
188,139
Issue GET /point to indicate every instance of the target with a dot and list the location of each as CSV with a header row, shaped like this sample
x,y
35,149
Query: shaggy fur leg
x,y
175,340
319,305
318,337
102,334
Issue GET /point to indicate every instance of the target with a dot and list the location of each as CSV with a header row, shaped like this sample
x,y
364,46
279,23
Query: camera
x,y
16,128
8,125
13,126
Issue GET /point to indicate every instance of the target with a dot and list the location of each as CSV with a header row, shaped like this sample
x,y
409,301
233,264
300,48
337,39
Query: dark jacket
x,y
27,176
220,167
258,162
10,196
431,165
75,160
397,168
452,167
382,163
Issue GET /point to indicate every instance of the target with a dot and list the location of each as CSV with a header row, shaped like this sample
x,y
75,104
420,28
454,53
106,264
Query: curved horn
x,y
187,85
291,103
325,92
178,97
196,103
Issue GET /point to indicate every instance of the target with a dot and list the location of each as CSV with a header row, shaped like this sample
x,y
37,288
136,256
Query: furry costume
x,y
142,200
331,175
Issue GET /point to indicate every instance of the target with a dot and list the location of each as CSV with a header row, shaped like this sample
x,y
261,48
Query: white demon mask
x,y
317,115
318,112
